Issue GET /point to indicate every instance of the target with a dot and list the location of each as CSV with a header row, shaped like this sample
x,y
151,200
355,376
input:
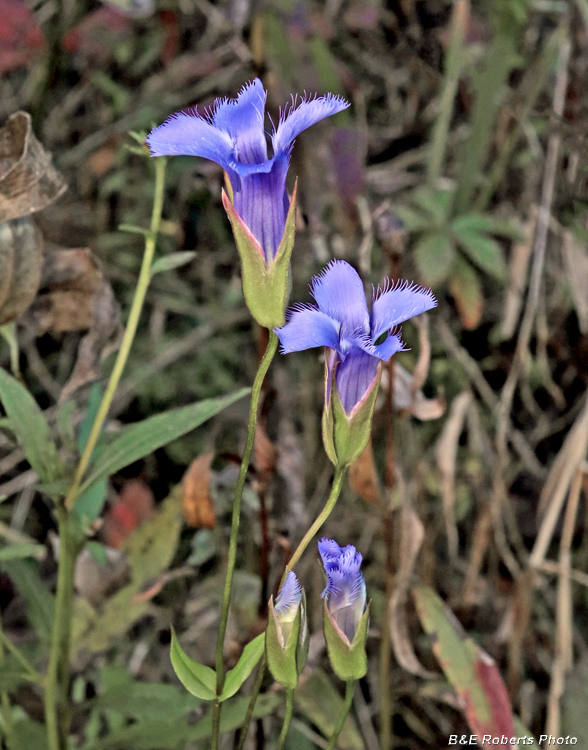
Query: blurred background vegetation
x,y
461,164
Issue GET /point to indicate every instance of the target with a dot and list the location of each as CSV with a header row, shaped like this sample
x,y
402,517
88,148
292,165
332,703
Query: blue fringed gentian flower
x,y
232,134
344,594
262,218
286,638
345,612
357,341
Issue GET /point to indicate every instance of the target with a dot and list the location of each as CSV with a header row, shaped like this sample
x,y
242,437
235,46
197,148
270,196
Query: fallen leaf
x,y
264,452
363,476
21,39
405,398
28,180
197,504
21,259
411,540
134,505
75,296
93,38
467,294
149,550
95,582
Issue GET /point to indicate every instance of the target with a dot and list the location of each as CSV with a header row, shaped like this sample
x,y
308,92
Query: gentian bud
x,y
232,134
345,612
287,633
357,340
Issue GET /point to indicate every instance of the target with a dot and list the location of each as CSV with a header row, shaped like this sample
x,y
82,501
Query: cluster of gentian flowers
x,y
345,618
356,338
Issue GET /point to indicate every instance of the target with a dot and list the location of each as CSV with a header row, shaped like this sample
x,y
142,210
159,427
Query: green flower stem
x,y
252,424
287,718
321,518
129,335
349,688
252,702
57,679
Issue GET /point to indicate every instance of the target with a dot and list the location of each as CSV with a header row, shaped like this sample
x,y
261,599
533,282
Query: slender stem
x,y
349,688
5,707
320,519
232,554
252,702
57,680
287,718
129,335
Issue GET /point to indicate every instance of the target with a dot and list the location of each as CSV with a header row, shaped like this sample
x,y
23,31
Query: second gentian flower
x,y
357,341
233,135
345,611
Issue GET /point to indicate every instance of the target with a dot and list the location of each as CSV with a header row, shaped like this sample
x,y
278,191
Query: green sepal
x,y
195,677
349,660
281,657
303,637
266,287
346,435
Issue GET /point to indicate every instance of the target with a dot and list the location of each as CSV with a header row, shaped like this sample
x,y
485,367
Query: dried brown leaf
x,y
75,296
576,266
197,504
411,540
446,455
28,180
21,257
363,476
134,505
416,403
519,265
264,452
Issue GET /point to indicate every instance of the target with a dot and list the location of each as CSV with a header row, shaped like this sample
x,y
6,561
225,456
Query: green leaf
x,y
98,552
144,437
435,254
30,427
252,653
40,603
471,672
196,678
90,503
486,223
18,551
436,203
169,262
319,700
413,221
482,250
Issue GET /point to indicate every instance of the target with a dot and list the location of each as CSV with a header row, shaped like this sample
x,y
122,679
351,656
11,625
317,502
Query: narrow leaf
x,y
40,602
413,221
169,262
236,677
486,223
30,427
20,551
196,678
471,672
144,437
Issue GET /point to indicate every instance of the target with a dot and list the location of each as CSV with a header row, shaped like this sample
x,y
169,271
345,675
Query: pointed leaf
x,y
144,437
482,250
196,678
413,221
436,203
488,224
169,262
252,653
19,551
30,427
468,668
435,255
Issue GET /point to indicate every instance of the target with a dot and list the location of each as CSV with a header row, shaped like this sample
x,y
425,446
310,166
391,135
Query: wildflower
x,y
345,612
232,134
357,340
287,633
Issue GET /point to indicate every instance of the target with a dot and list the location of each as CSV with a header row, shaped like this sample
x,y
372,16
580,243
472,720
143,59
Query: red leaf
x,y
21,39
